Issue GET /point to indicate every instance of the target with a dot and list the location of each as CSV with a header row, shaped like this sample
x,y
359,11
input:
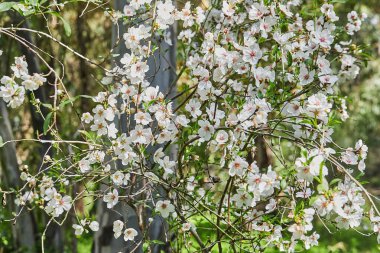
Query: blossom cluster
x,y
14,87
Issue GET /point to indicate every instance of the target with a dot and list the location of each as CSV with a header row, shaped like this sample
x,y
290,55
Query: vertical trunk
x,y
162,73
261,154
23,231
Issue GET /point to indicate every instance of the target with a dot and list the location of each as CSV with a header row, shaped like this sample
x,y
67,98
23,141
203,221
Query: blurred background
x,y
90,36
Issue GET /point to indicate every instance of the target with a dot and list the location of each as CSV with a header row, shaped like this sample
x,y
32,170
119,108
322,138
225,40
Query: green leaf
x,y
47,122
283,184
157,242
67,27
334,181
145,246
323,187
90,135
86,96
290,59
6,6
1,142
49,106
68,101
312,200
34,2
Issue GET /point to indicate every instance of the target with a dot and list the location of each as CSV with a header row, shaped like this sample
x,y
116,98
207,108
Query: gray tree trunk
x,y
24,230
161,73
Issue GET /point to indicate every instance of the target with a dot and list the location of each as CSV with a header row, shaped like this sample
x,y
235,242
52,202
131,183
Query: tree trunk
x,y
262,156
162,73
24,230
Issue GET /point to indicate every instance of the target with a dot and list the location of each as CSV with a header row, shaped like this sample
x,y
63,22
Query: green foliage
x,y
341,242
6,6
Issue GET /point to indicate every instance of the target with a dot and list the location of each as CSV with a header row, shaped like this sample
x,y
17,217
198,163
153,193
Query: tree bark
x,y
24,230
161,73
262,156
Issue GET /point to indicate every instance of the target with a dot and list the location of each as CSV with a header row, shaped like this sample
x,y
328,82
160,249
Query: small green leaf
x,y
1,142
290,59
283,184
364,182
47,122
86,96
49,106
157,242
34,2
145,246
90,136
66,27
67,101
323,187
6,6
334,181
312,200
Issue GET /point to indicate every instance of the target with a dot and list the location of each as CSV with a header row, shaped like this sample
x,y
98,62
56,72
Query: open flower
x,y
164,208
94,226
130,234
238,167
78,229
206,130
117,228
111,198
